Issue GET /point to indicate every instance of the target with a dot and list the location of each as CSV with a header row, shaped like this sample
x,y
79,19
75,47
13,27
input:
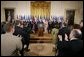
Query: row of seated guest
x,y
34,25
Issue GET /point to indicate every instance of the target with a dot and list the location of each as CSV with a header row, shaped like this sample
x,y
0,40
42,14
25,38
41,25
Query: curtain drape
x,y
40,9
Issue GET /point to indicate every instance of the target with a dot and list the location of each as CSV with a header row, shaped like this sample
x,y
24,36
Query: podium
x,y
40,29
40,32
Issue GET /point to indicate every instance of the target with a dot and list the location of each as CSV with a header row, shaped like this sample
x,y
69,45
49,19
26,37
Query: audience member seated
x,y
10,44
74,47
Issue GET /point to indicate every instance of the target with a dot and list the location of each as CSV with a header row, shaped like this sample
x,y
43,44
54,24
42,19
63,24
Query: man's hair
x,y
81,20
64,24
77,33
76,26
17,22
9,26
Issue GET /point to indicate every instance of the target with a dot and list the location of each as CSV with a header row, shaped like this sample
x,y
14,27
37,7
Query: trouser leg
x,y
22,51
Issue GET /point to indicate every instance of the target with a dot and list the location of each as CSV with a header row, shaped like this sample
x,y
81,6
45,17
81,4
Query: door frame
x,y
9,9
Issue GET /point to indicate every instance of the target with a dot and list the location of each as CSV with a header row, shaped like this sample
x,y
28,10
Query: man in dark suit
x,y
18,32
18,29
54,23
64,30
74,47
26,36
40,26
49,26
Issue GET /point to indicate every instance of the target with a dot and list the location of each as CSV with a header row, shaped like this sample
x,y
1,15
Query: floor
x,y
40,49
46,48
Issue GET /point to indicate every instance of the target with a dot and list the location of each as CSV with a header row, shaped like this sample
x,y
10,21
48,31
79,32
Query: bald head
x,y
75,33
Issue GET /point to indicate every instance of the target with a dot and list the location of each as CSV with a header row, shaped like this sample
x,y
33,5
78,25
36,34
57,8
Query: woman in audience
x,y
54,34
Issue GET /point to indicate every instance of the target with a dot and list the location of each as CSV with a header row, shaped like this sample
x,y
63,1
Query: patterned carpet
x,y
40,49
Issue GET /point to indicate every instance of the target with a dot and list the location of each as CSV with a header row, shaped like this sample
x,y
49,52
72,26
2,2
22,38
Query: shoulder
x,y
3,35
77,41
53,29
16,37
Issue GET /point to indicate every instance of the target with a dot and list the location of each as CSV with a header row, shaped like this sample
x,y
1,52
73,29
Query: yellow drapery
x,y
40,8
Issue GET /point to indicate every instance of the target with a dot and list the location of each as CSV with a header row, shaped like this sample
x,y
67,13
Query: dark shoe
x,y
26,49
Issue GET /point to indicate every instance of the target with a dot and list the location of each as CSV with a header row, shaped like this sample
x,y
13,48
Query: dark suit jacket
x,y
18,31
70,48
26,34
64,31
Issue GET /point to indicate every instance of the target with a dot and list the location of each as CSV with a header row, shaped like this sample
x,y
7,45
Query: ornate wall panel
x,y
40,8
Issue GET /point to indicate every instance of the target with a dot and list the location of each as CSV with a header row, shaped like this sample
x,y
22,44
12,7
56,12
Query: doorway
x,y
9,15
70,14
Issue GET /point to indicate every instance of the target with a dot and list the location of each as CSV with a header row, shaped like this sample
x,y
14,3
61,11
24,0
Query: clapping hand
x,y
60,37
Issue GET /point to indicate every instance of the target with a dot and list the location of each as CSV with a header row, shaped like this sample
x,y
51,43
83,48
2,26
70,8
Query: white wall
x,y
58,8
21,8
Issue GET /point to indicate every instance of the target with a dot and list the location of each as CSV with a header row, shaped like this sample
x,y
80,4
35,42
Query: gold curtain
x,y
40,8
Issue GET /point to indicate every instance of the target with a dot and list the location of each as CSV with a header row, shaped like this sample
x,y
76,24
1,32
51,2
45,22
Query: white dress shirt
x,y
9,43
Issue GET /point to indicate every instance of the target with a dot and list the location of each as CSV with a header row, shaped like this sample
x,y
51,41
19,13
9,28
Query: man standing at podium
x,y
40,27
